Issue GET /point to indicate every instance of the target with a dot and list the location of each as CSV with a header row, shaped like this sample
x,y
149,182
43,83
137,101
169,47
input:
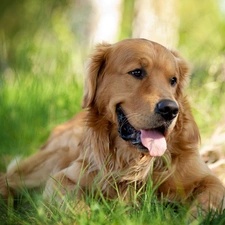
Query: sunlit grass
x,y
31,107
31,208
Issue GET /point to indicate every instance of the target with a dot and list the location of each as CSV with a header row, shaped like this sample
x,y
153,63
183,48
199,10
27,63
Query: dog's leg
x,y
34,171
74,178
194,183
71,183
210,194
209,191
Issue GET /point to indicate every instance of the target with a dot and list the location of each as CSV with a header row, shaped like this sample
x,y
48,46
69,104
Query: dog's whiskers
x,y
126,118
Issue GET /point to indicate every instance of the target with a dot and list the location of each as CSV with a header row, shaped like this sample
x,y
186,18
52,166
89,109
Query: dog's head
x,y
137,85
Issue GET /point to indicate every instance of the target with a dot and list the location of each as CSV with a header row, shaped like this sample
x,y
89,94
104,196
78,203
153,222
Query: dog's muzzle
x,y
167,109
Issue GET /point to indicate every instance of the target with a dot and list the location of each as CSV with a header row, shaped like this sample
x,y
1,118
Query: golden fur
x,y
88,148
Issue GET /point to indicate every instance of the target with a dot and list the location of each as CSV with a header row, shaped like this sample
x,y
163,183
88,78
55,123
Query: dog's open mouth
x,y
151,140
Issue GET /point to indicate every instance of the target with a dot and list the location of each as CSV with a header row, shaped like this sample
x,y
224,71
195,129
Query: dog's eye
x,y
137,73
173,81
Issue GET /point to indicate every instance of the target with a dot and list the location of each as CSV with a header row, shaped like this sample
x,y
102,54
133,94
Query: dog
x,y
136,125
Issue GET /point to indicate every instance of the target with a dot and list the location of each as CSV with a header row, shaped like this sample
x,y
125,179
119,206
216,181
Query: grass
x,y
30,208
31,107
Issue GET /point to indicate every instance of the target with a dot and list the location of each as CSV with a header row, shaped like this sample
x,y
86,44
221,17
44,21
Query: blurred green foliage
x,y
41,72
202,30
202,42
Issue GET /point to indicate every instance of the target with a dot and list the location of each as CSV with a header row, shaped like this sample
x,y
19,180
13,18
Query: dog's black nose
x,y
168,109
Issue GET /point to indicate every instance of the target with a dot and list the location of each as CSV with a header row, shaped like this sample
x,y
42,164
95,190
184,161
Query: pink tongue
x,y
154,141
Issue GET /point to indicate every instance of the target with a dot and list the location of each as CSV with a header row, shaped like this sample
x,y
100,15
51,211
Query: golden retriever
x,y
137,126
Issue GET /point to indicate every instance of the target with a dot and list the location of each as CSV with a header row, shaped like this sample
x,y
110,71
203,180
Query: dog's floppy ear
x,y
94,67
184,72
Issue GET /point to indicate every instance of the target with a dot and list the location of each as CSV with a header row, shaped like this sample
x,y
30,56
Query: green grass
x,y
31,107
30,208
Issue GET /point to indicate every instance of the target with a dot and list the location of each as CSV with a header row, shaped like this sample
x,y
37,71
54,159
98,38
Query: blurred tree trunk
x,y
157,21
105,21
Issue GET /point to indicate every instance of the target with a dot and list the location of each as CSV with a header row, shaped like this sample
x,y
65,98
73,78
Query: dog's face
x,y
137,84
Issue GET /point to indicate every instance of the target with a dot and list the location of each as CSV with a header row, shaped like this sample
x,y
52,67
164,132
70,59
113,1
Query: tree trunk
x,y
106,21
157,21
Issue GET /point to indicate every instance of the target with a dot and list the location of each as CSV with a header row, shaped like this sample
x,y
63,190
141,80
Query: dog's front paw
x,y
205,206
